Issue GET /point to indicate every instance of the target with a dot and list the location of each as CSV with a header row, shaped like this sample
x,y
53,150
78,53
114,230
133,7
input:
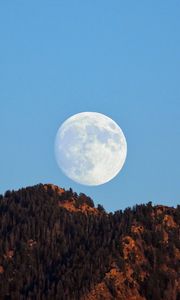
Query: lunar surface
x,y
90,148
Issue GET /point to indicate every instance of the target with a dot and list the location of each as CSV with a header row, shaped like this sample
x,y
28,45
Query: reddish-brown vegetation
x,y
54,244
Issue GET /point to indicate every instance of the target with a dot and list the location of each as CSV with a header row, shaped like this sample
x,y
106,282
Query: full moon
x,y
90,148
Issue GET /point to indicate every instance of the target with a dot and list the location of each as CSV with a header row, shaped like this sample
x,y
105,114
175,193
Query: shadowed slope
x,y
54,244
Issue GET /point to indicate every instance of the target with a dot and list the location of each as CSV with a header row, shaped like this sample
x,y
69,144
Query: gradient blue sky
x,y
120,58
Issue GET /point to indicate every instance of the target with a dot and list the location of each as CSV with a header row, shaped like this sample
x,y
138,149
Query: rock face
x,y
54,188
54,244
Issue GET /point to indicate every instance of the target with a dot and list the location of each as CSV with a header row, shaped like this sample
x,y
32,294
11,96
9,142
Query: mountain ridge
x,y
55,244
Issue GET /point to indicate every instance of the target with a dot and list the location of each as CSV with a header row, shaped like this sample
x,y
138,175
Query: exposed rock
x,y
55,188
54,244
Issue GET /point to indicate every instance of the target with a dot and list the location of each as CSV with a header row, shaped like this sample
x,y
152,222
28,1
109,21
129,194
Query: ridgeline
x,y
56,245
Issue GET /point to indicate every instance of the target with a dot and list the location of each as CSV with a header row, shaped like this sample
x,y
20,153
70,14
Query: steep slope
x,y
150,262
54,244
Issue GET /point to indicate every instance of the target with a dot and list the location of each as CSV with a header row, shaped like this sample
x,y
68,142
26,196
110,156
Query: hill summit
x,y
55,244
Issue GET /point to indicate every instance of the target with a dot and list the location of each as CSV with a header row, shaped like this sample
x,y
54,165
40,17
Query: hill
x,y
54,244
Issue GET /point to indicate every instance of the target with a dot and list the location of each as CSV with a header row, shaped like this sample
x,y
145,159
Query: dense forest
x,y
54,244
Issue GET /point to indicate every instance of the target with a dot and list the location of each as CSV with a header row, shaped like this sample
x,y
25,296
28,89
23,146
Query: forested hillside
x,y
54,244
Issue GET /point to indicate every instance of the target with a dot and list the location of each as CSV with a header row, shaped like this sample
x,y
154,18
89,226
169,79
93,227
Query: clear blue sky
x,y
120,58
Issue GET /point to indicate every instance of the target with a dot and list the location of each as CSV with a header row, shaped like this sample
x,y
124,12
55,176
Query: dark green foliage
x,y
7,194
47,252
101,208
